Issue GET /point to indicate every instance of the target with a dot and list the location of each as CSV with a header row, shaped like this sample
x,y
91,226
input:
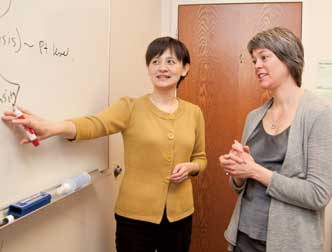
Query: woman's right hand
x,y
234,158
42,128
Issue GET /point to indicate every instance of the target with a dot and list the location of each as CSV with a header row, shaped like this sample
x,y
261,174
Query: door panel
x,y
222,82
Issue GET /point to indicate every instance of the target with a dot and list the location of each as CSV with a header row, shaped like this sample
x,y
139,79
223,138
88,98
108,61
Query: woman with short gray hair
x,y
282,170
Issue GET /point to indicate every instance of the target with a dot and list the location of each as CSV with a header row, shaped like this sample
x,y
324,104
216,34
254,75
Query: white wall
x,y
316,38
134,24
83,222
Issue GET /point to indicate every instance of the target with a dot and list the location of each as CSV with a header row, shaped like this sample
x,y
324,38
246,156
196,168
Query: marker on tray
x,y
28,131
7,220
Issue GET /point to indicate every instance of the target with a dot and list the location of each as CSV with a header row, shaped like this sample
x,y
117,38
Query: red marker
x,y
28,131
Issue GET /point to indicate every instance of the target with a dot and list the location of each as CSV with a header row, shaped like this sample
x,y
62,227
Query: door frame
x,y
169,13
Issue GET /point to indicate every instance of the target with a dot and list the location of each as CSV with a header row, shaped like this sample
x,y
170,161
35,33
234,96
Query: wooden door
x,y
222,82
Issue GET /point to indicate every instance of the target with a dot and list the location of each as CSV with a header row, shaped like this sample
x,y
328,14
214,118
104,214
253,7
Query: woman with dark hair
x,y
164,145
283,168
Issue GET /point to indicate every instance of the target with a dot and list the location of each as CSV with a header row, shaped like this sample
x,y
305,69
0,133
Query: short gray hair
x,y
285,45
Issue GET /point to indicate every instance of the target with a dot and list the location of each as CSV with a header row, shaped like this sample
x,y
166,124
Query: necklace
x,y
274,123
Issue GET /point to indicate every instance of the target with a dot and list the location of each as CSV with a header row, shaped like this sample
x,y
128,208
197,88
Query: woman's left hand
x,y
182,171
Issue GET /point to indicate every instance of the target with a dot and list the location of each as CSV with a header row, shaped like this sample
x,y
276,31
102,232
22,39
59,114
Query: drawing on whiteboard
x,y
4,7
13,41
8,91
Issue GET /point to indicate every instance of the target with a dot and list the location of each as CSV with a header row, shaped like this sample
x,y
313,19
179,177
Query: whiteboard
x,y
54,61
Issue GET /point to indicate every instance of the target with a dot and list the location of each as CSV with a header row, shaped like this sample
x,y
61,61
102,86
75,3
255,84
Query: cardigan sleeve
x,y
112,120
199,155
314,191
236,188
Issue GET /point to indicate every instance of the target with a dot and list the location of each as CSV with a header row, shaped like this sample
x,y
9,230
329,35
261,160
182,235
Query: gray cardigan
x,y
303,187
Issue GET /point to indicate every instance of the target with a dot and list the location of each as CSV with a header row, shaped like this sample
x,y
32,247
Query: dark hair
x,y
158,46
285,45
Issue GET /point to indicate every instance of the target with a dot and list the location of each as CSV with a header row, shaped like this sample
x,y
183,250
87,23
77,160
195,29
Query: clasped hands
x,y
238,163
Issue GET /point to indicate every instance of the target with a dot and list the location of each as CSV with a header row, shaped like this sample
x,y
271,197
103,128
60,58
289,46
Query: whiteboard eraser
x,y
28,205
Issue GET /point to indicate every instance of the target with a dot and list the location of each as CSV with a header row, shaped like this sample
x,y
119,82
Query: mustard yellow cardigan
x,y
154,142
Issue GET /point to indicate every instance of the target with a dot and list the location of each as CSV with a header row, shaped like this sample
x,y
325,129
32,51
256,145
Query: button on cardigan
x,y
154,142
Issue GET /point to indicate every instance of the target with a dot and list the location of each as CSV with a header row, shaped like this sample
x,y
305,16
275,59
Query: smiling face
x,y
271,72
165,70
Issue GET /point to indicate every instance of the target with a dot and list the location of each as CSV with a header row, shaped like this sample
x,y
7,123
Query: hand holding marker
x,y
28,131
